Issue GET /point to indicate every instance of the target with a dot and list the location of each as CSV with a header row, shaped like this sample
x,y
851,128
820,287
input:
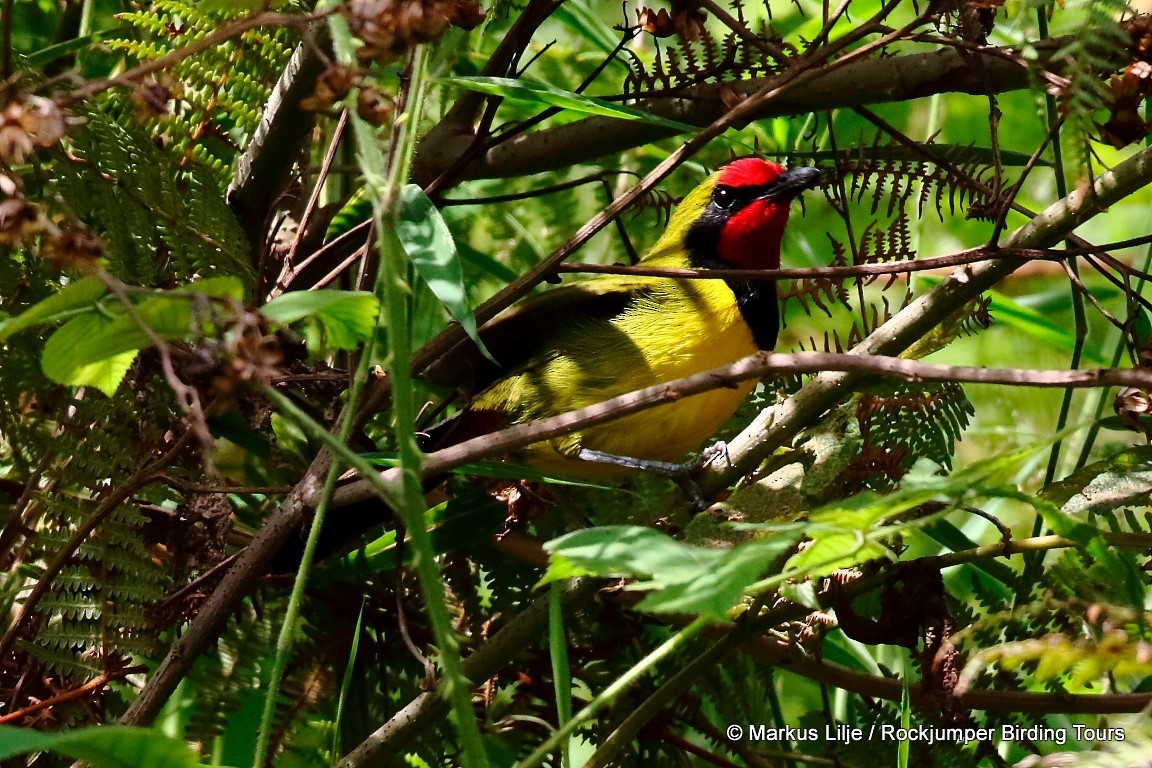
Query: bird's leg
x,y
680,472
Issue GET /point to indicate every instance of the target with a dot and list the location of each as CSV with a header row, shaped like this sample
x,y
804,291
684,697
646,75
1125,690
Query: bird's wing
x,y
524,332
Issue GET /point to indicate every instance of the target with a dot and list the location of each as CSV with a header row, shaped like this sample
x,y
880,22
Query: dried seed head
x,y
656,23
248,357
27,123
373,106
153,98
77,249
390,27
19,219
332,85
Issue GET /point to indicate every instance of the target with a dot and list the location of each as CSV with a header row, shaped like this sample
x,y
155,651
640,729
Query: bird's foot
x,y
682,473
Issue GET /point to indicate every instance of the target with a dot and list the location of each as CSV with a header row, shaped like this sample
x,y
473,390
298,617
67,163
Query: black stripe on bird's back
x,y
521,335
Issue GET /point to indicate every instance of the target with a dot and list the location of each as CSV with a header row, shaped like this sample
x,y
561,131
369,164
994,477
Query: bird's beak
x,y
791,183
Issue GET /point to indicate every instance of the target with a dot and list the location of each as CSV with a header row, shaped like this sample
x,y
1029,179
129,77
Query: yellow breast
x,y
672,329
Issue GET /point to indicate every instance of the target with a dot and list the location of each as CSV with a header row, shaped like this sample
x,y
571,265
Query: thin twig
x,y
74,693
754,366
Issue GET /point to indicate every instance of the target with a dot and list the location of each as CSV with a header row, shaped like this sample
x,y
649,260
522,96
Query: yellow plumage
x,y
668,329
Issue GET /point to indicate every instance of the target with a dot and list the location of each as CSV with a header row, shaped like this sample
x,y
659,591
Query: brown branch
x,y
75,693
752,367
972,256
250,565
891,689
865,81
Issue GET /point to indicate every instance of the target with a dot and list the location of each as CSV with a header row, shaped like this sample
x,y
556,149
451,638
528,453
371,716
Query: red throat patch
x,y
751,238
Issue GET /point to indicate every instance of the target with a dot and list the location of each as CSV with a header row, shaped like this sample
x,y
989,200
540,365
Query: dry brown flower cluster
x,y
22,220
336,82
1125,124
686,20
28,123
389,28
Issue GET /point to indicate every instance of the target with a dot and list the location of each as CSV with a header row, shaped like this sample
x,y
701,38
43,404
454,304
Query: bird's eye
x,y
723,197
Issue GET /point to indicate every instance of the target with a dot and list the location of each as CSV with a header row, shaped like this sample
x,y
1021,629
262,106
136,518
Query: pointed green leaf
x,y
430,247
522,90
91,350
343,318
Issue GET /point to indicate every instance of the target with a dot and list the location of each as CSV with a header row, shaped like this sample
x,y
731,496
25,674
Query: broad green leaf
x,y
522,90
91,350
429,245
106,746
714,591
626,550
679,577
98,349
341,319
839,532
221,287
1122,480
72,298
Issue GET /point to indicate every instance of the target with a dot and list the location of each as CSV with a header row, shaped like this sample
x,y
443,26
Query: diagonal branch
x,y
775,427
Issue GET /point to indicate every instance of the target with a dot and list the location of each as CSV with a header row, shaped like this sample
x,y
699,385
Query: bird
x,y
592,340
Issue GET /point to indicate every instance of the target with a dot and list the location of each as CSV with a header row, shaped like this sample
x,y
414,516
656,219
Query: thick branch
x,y
251,564
861,83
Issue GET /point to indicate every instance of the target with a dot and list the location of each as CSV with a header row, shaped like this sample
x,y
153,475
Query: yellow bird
x,y
589,341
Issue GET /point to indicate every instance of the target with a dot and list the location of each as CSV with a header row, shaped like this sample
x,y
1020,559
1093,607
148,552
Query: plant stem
x,y
561,673
609,694
384,179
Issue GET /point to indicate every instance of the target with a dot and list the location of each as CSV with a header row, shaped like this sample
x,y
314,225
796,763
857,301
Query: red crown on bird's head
x,y
750,172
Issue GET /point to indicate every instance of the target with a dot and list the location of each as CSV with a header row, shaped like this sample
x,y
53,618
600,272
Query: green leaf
x,y
98,349
680,578
108,746
343,319
714,591
626,551
76,296
91,350
430,247
839,532
221,287
522,90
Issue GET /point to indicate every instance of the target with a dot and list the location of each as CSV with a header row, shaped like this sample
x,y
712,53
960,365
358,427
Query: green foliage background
x,y
121,508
